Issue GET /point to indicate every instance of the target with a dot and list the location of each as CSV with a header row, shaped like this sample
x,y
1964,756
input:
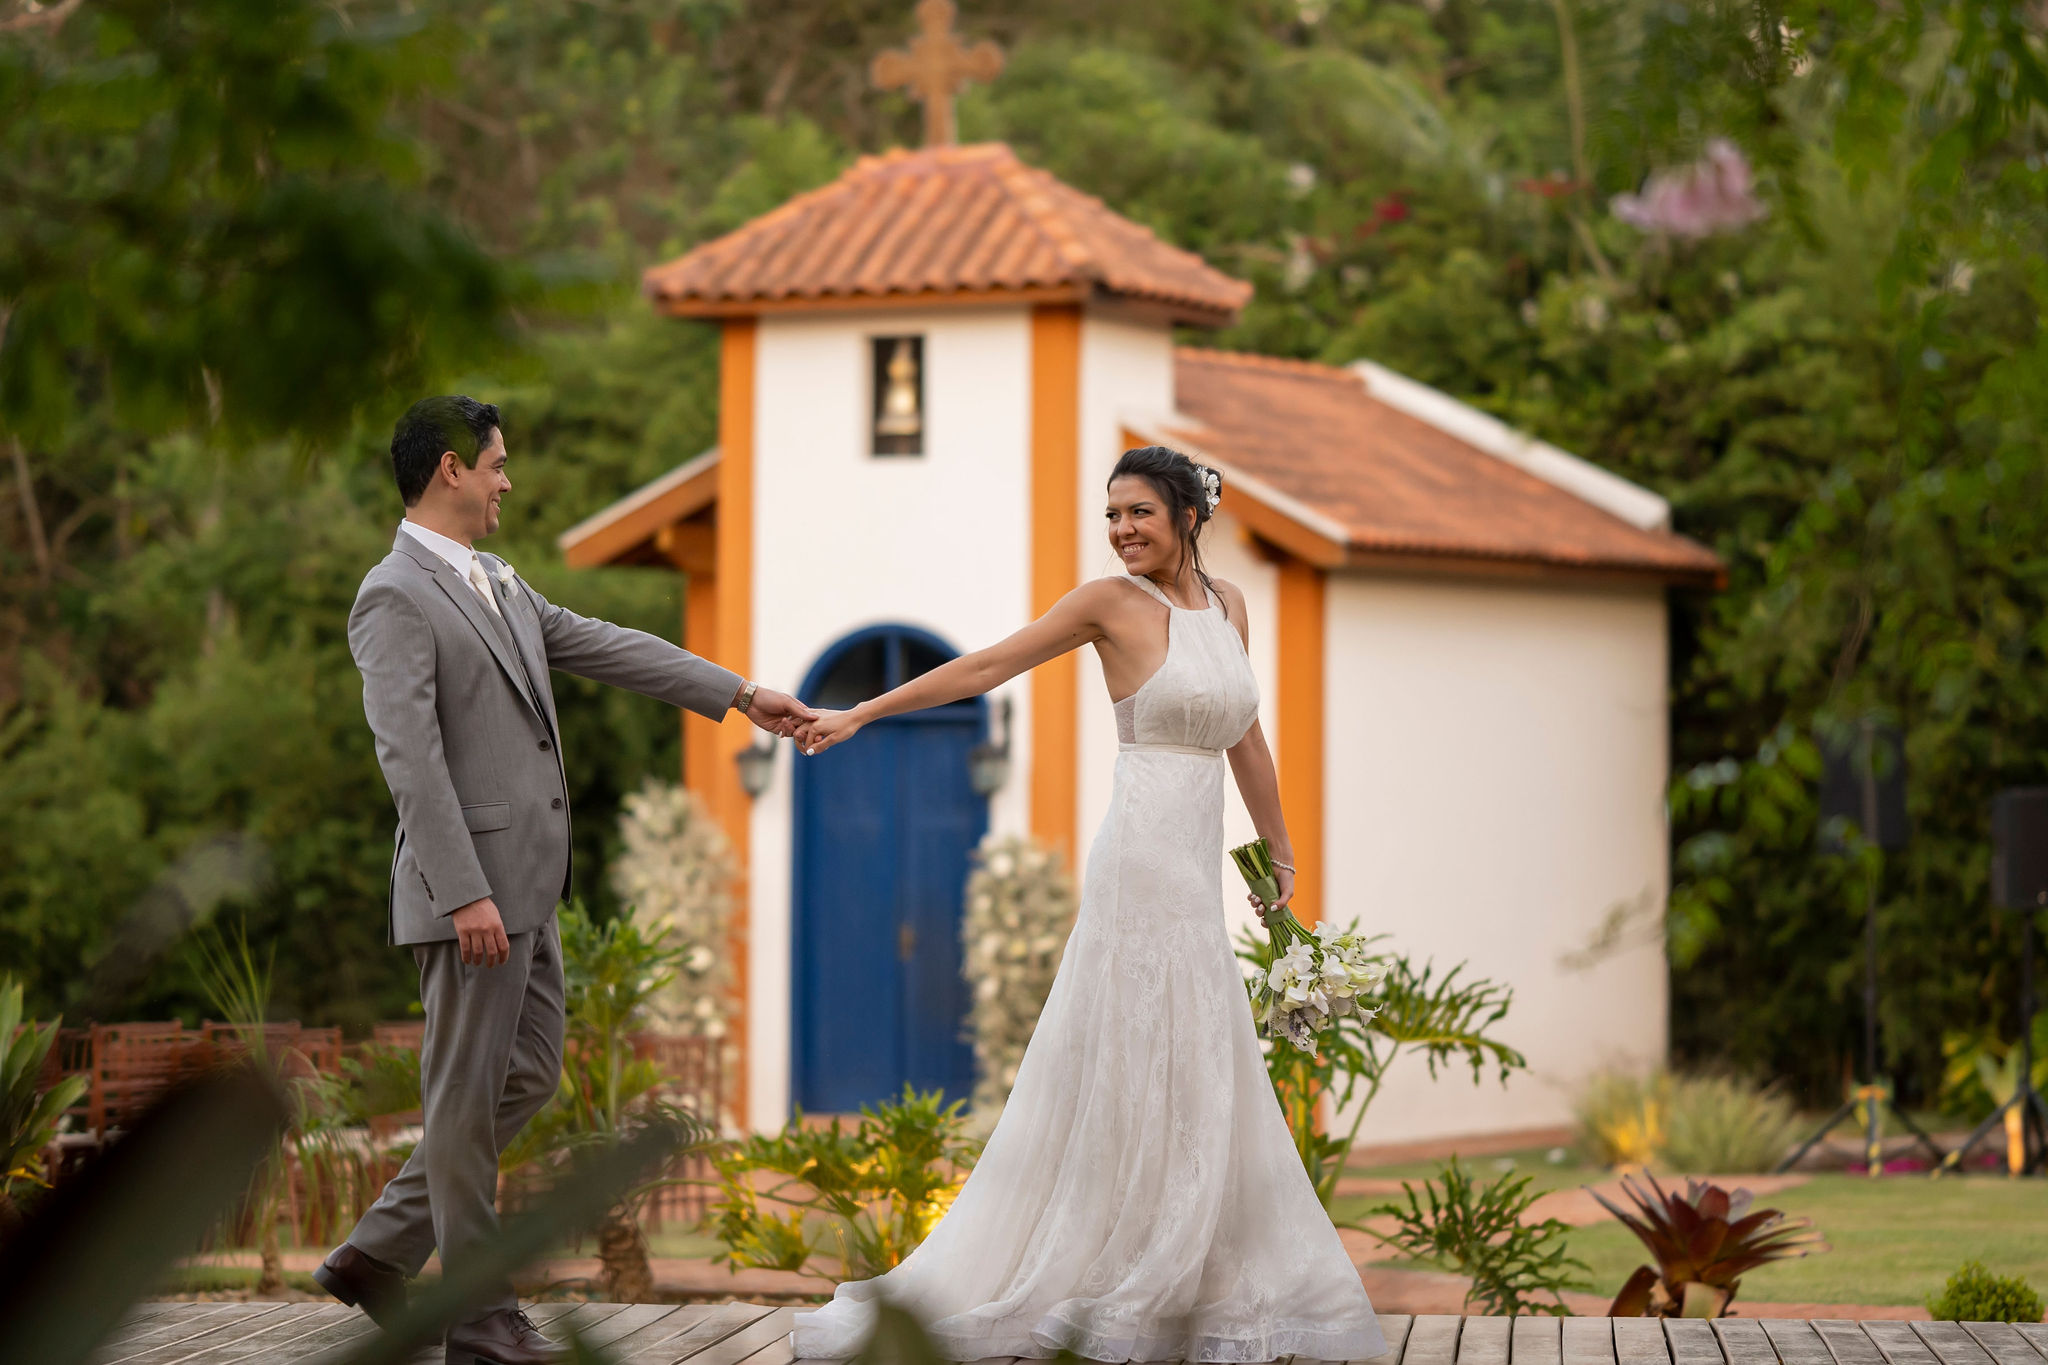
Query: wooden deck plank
x,y
737,1346
776,1352
1394,1327
2002,1343
630,1319
134,1338
144,1317
1847,1343
1796,1342
1589,1341
1743,1342
2036,1334
1538,1339
274,1337
1951,1343
1432,1339
1484,1341
1640,1341
336,1342
1692,1342
676,1337
180,1328
1900,1343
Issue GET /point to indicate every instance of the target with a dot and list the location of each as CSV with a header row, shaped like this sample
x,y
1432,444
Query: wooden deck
x,y
746,1334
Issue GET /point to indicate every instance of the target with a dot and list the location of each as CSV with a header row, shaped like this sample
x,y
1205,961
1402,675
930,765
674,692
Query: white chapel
x,y
1459,632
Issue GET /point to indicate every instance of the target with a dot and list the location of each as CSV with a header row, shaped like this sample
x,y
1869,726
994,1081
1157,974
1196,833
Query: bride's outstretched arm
x,y
1074,620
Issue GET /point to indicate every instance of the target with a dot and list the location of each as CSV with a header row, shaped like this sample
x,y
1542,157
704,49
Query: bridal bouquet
x,y
1316,977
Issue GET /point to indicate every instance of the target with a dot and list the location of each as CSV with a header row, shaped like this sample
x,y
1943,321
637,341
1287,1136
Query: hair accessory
x,y
1212,484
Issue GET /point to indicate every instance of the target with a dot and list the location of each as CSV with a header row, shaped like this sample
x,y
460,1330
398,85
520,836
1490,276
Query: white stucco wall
x,y
844,540
1496,768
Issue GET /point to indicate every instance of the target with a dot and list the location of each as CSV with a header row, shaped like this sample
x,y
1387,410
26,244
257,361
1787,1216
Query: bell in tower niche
x,y
899,395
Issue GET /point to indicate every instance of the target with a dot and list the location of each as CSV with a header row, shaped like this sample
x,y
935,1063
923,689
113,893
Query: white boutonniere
x,y
506,575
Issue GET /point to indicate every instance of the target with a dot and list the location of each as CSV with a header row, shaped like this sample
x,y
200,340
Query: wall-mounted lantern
x,y
988,763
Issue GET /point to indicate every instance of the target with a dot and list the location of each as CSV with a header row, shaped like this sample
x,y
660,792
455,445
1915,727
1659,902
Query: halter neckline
x,y
1210,603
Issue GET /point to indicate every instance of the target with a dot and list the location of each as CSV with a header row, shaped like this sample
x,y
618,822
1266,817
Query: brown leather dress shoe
x,y
363,1282
507,1337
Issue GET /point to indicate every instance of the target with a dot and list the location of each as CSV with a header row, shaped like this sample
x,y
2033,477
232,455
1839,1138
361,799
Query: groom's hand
x,y
778,713
481,933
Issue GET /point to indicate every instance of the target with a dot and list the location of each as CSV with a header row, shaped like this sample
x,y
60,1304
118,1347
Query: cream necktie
x,y
482,583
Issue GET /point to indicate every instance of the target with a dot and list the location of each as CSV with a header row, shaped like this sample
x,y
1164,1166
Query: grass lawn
x,y
1895,1240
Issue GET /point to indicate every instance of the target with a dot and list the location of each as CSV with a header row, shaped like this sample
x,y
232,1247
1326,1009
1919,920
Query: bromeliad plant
x,y
866,1197
1703,1241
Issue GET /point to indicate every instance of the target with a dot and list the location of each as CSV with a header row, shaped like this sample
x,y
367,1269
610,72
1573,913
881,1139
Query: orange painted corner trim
x,y
1301,710
1055,565
732,646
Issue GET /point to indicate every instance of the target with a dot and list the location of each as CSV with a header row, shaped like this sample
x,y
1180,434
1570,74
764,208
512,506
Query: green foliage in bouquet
x,y
866,1197
1974,1294
1020,909
1703,1241
29,1116
1447,1019
1481,1230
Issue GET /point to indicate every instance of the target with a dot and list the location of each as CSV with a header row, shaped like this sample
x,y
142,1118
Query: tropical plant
x,y
29,1115
1445,1019
675,870
608,1095
1020,909
1723,1125
1703,1242
1482,1231
1974,1294
865,1197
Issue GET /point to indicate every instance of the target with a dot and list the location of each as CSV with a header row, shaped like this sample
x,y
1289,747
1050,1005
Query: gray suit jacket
x,y
466,731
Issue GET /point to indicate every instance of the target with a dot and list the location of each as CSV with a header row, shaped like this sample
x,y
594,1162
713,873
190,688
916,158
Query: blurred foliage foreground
x,y
236,236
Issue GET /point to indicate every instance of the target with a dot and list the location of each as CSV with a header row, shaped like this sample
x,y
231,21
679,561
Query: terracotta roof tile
x,y
1394,485
936,221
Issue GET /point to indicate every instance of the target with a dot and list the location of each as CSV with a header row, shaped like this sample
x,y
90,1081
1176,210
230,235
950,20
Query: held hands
x,y
482,934
1286,880
778,713
826,729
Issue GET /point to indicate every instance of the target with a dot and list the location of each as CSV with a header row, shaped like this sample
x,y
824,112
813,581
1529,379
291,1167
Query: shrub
x,y
1974,1294
676,871
1482,1231
1622,1117
866,1198
1020,908
1719,1125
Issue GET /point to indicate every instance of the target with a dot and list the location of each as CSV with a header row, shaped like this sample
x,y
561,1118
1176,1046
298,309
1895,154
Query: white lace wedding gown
x,y
1140,1198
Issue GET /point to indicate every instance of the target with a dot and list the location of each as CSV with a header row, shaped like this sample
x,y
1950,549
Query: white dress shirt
x,y
460,557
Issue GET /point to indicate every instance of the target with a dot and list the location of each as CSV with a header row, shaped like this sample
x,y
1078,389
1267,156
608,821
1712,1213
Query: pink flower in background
x,y
1713,194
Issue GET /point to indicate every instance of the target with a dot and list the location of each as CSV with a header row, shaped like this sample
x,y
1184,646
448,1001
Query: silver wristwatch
x,y
746,697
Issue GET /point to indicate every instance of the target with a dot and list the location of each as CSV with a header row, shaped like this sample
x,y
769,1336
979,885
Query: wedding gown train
x,y
1140,1198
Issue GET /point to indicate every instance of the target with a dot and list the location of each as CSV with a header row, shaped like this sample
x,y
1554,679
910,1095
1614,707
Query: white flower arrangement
x,y
1020,908
676,874
1212,487
506,574
1320,978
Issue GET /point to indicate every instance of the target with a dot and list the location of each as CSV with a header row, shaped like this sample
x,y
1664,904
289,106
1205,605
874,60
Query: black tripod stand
x,y
2019,881
1865,782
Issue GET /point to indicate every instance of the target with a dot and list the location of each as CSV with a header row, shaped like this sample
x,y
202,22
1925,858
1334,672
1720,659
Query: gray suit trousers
x,y
490,1061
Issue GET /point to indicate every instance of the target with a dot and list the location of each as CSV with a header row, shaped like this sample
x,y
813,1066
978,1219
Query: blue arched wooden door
x,y
885,824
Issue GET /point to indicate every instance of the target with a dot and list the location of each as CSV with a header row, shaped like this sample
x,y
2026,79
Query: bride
x,y
1140,1198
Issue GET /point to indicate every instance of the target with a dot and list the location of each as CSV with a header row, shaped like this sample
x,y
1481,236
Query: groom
x,y
455,651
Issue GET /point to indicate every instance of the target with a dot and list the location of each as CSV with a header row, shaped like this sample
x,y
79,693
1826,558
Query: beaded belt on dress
x,y
1170,749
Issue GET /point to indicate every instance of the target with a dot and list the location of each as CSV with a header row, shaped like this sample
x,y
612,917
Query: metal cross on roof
x,y
934,66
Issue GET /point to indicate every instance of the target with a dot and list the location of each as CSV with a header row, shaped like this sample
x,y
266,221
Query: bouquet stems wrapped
x,y
1316,977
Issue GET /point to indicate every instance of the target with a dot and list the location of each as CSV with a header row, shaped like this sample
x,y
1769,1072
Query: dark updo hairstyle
x,y
1182,485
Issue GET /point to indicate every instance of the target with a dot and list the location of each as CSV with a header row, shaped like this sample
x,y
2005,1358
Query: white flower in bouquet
x,y
1315,978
